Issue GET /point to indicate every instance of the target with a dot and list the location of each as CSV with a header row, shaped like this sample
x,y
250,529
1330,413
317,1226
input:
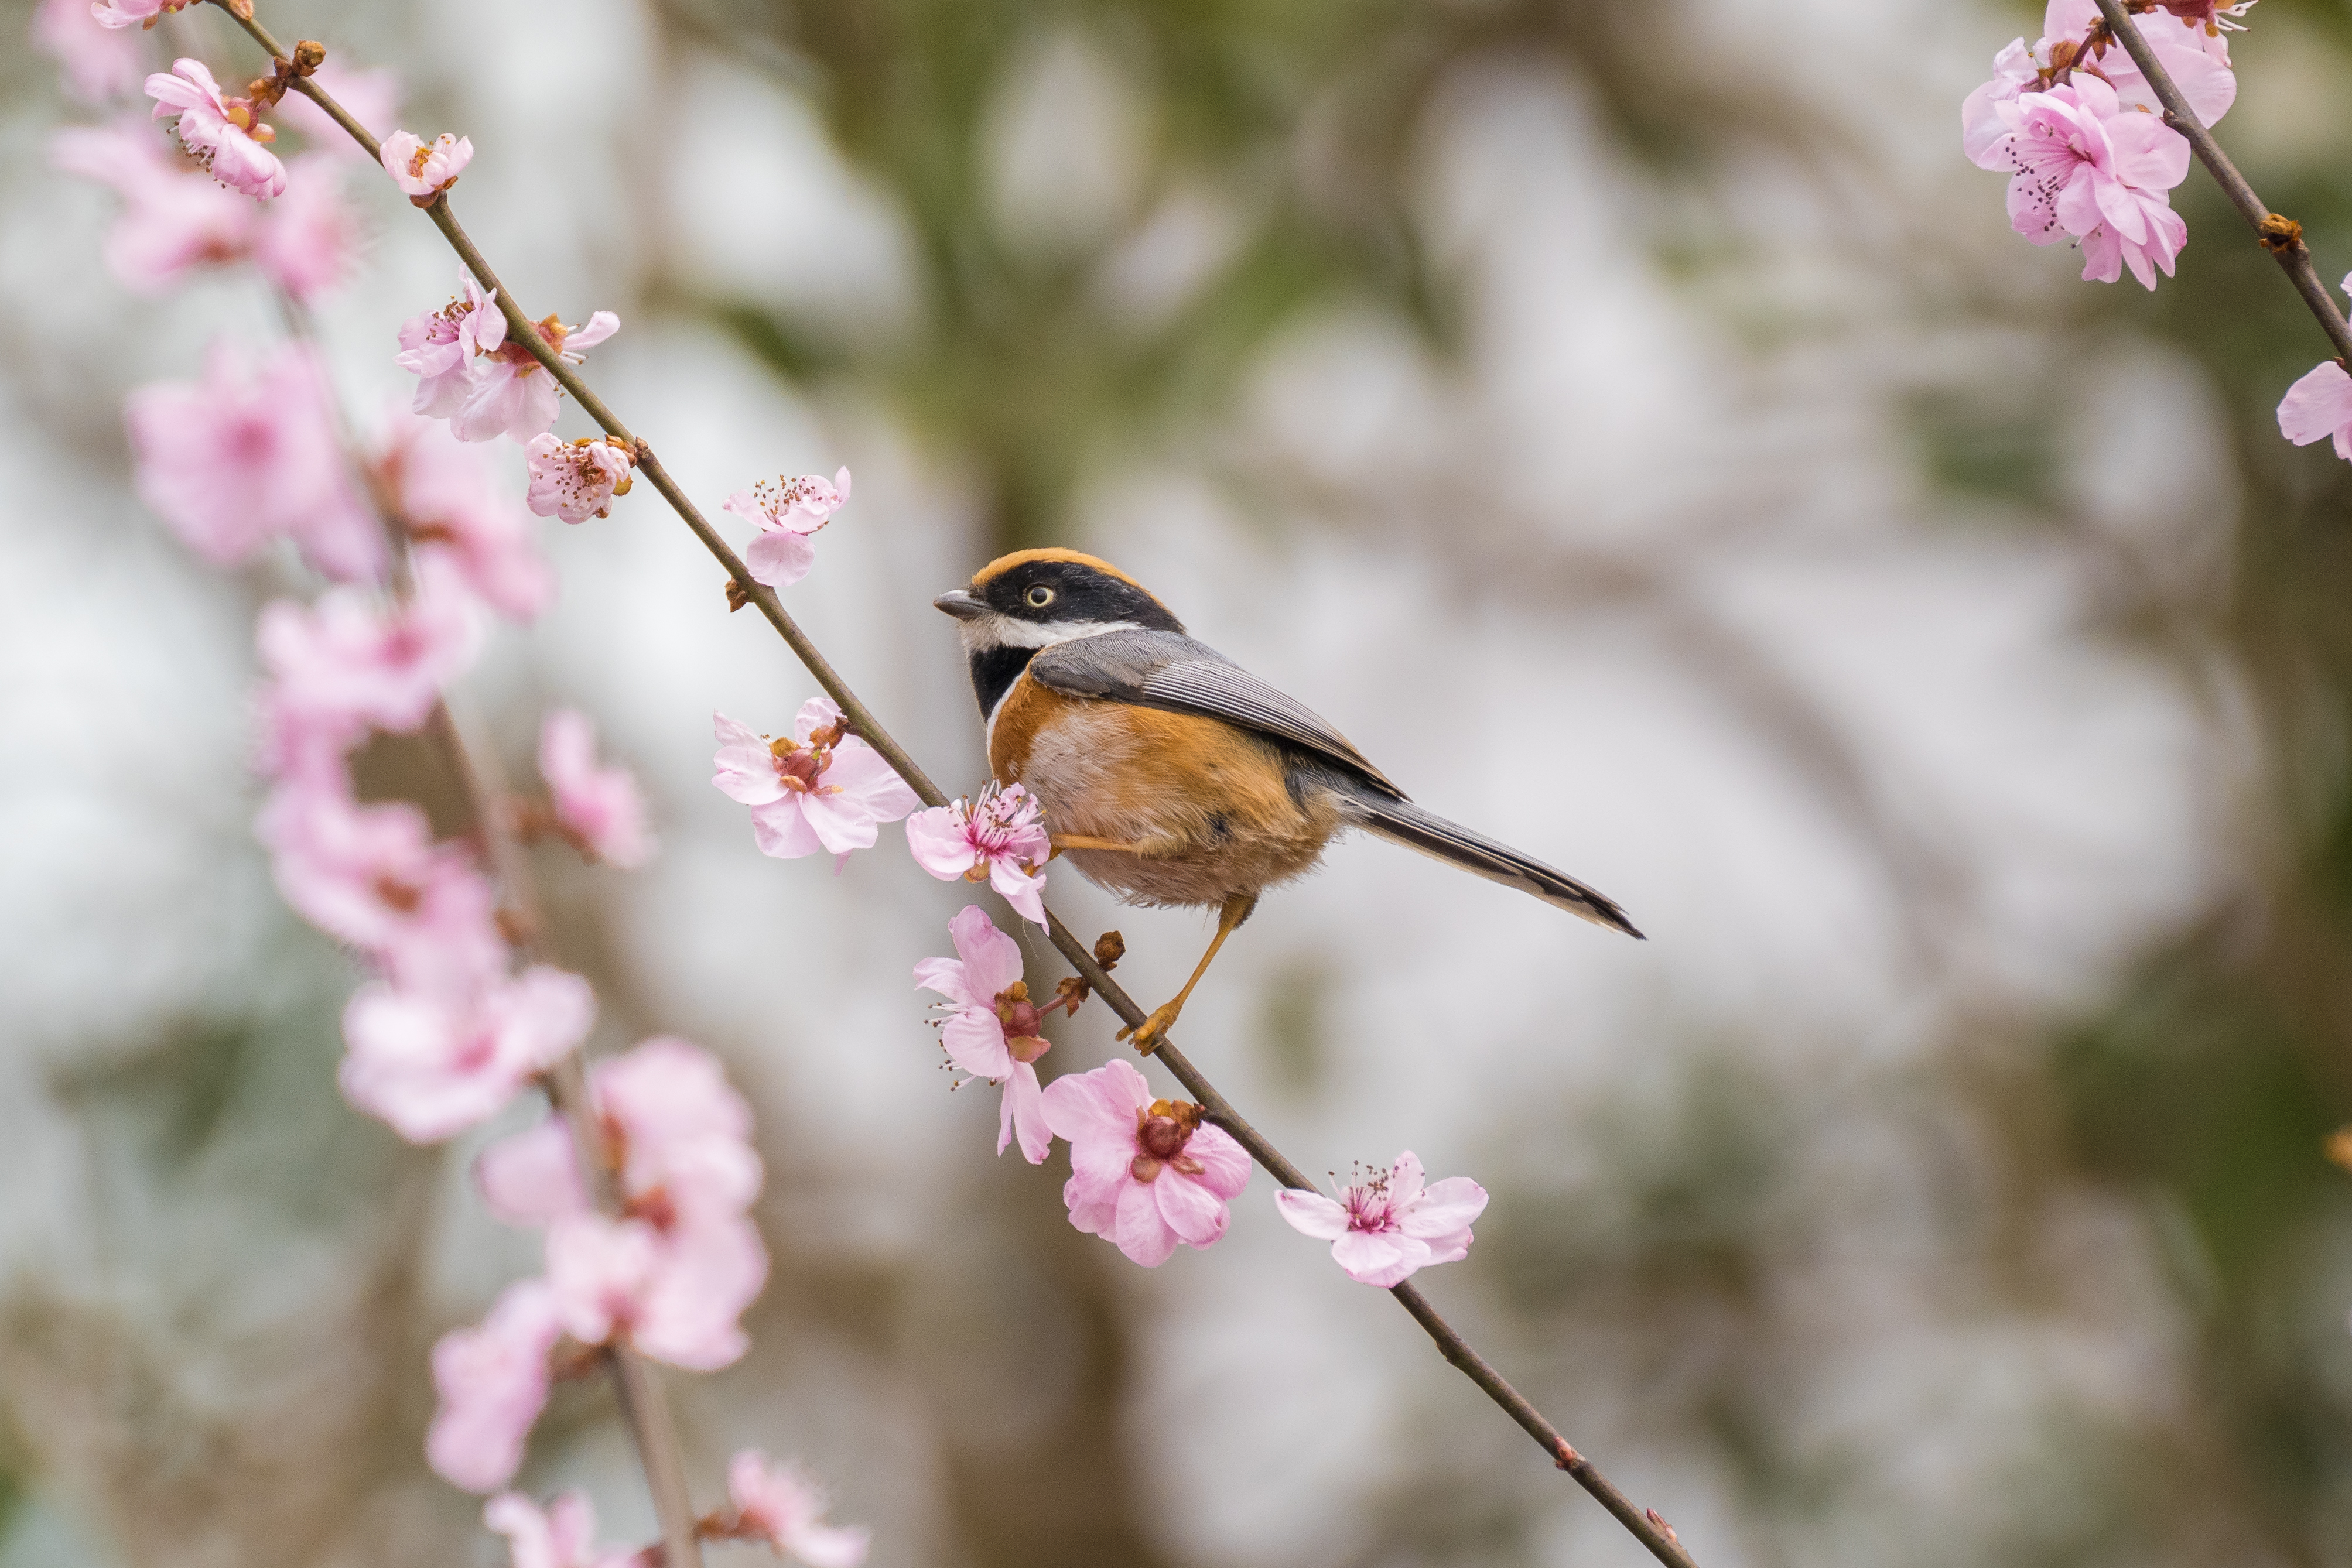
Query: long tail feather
x,y
1407,824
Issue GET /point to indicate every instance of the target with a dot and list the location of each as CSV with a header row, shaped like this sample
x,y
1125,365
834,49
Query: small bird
x,y
1169,774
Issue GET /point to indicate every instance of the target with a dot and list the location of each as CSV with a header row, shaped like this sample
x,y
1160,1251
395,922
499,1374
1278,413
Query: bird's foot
x,y
1153,1029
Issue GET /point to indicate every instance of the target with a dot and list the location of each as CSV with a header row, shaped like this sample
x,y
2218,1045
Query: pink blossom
x,y
787,511
454,514
433,1065
2084,167
779,1505
219,133
576,480
991,1029
371,876
99,62
2202,74
678,1295
370,96
678,1133
562,1537
492,1381
426,169
173,217
999,838
119,13
1389,1225
512,395
438,347
383,665
2320,406
1144,1173
600,810
819,788
248,455
307,237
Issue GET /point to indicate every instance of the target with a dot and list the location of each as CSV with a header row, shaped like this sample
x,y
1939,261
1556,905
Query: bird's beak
x,y
961,604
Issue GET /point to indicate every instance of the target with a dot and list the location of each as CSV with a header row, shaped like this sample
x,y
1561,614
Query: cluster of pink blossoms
x,y
469,373
451,1026
2080,131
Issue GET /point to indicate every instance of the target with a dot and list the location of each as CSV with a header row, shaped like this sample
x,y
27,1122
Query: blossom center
x,y
1161,1131
396,894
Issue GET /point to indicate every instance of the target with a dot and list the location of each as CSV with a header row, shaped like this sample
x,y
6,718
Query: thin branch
x,y
643,1404
2281,237
1652,1532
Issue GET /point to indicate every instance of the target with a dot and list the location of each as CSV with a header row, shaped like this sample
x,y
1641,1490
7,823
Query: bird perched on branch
x,y
1169,774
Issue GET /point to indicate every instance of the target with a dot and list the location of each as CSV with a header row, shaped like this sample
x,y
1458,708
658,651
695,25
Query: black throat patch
x,y
993,671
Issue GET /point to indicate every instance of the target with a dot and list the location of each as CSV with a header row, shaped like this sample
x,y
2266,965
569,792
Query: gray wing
x,y
1168,670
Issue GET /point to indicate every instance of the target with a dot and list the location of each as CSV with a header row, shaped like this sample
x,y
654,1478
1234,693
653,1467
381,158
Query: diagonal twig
x,y
1646,1525
2281,237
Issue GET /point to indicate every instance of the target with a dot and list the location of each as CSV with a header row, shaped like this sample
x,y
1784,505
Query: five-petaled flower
x,y
779,1505
786,512
511,393
820,787
998,838
432,1065
426,169
2085,166
576,480
1387,1225
438,347
1145,1174
220,133
991,1026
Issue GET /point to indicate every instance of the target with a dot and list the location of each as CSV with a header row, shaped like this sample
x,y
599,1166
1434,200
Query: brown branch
x,y
2282,237
1652,1532
644,1406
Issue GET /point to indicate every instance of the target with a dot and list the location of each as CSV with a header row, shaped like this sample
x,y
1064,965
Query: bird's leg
x,y
1147,1038
1081,841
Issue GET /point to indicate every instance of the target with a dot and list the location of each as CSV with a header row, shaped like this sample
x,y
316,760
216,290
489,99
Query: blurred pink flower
x,y
371,876
821,788
99,62
219,133
119,13
454,512
247,454
562,1537
576,480
601,810
173,217
426,169
1387,1226
678,1295
370,96
786,512
2086,167
433,1065
991,1029
779,1505
307,238
512,395
999,837
1144,1173
438,347
679,1133
383,665
492,1380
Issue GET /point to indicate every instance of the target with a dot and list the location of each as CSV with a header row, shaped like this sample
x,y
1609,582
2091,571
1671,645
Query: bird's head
x,y
1037,598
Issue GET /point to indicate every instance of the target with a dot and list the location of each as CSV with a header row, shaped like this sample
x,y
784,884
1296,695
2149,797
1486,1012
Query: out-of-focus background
x,y
1636,426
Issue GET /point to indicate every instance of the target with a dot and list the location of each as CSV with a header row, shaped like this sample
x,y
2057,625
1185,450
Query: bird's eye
x,y
1040,596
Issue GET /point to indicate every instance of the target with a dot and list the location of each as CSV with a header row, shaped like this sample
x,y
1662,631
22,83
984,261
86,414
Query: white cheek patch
x,y
996,631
